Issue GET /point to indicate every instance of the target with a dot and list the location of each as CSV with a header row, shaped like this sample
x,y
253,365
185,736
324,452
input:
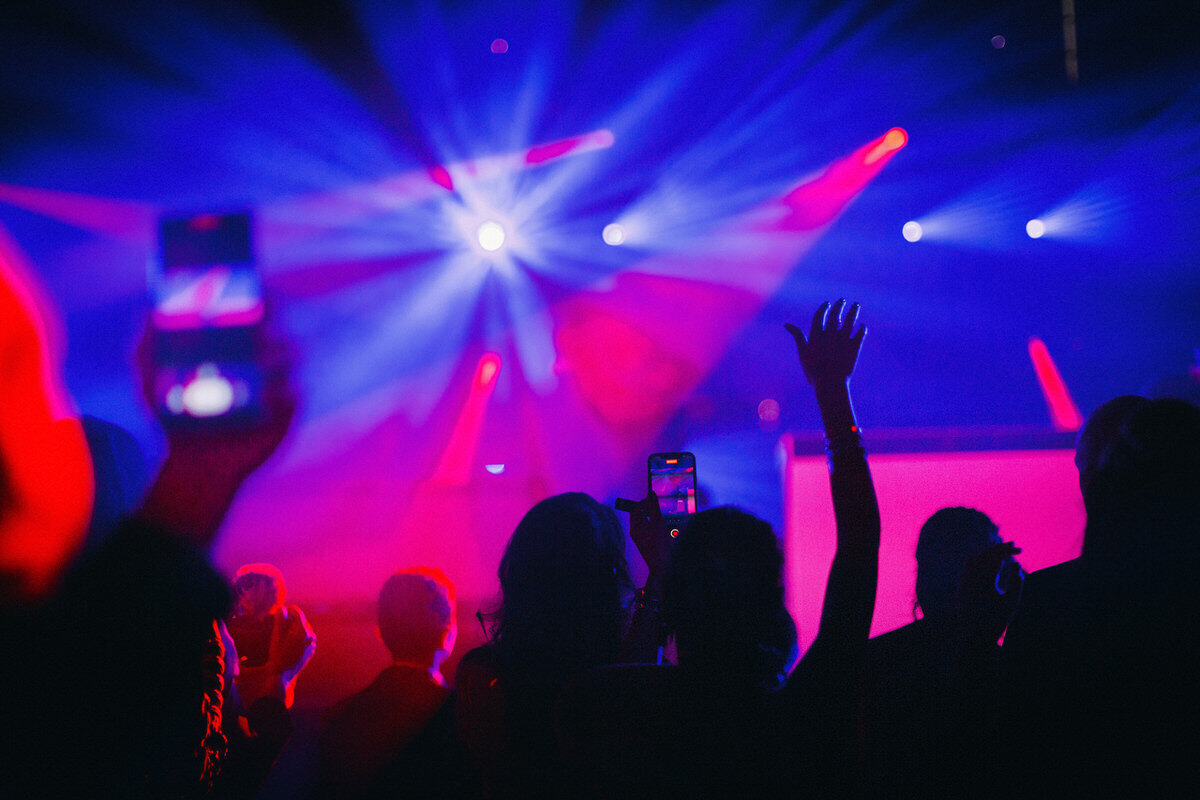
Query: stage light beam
x,y
889,143
489,368
454,467
1063,411
912,231
1035,228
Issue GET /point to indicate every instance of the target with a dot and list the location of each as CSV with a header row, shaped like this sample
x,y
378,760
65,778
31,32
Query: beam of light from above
x,y
623,364
1063,411
818,202
304,216
125,220
891,141
287,228
1097,214
454,467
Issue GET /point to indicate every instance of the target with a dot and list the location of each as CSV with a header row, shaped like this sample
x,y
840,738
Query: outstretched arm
x,y
649,534
204,470
828,355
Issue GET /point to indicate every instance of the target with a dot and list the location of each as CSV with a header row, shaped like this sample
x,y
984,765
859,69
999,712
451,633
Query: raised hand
x,y
235,453
989,591
649,533
204,469
830,351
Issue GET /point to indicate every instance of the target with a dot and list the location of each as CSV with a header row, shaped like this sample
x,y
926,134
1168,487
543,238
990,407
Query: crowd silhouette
x,y
138,670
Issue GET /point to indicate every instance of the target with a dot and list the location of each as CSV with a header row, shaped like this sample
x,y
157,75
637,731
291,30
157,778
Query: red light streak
x,y
1063,410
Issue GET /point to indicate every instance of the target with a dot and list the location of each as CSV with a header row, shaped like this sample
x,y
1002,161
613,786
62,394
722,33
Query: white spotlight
x,y
613,234
912,231
490,235
1035,228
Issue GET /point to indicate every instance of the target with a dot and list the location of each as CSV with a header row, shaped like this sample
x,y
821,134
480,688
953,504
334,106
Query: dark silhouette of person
x,y
1101,657
123,661
913,669
563,582
724,722
395,737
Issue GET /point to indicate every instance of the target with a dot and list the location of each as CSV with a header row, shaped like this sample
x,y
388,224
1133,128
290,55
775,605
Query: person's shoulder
x,y
392,687
477,674
1051,589
477,661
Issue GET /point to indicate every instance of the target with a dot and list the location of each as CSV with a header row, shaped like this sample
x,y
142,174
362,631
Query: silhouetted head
x,y
417,616
1143,498
563,579
260,588
724,599
947,541
1103,428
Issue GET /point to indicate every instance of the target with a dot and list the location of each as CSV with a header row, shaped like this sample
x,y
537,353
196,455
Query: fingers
x,y
851,317
819,320
652,509
836,316
834,321
1011,579
857,338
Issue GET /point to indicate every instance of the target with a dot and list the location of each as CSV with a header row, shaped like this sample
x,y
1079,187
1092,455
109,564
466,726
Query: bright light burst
x,y
490,235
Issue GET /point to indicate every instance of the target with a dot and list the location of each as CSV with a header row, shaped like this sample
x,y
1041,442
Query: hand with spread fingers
x,y
830,351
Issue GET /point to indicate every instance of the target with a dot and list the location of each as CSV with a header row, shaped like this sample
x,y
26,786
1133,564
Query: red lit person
x,y
392,738
274,641
46,481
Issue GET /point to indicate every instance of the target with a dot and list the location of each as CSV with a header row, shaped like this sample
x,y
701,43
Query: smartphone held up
x,y
208,312
672,476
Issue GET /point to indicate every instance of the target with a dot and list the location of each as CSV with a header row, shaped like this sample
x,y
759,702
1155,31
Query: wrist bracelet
x,y
844,442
